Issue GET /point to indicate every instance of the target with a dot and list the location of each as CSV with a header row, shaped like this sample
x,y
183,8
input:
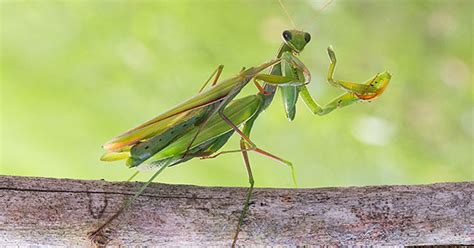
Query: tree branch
x,y
60,212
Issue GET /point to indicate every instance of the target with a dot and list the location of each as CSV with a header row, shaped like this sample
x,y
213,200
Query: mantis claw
x,y
332,54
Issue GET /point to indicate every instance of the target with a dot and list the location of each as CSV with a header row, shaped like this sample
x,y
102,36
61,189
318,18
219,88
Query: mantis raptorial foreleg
x,y
339,102
217,72
366,91
349,86
356,92
300,76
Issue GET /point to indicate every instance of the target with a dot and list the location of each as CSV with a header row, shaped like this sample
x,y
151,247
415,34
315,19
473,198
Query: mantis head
x,y
296,39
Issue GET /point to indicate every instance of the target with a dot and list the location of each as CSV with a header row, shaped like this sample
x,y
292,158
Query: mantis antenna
x,y
287,14
326,4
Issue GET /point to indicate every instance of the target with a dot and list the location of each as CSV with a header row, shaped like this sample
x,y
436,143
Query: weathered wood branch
x,y
61,212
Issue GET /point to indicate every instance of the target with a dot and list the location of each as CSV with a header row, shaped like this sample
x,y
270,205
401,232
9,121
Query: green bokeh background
x,y
76,73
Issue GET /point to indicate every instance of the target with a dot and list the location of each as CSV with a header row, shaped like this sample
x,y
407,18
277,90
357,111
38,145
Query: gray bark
x,y
44,211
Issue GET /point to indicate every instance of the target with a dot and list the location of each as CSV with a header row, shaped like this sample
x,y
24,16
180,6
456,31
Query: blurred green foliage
x,y
76,73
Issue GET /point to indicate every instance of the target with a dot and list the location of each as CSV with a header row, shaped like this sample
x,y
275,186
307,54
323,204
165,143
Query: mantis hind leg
x,y
96,235
249,192
133,176
250,145
261,152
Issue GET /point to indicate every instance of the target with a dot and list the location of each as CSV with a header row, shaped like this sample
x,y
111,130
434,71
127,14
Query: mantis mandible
x,y
201,125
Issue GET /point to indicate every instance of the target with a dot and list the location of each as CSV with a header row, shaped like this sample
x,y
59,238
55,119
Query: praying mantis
x,y
201,125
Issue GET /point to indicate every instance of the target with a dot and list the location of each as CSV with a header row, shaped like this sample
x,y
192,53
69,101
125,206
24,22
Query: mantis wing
x,y
144,150
171,117
238,112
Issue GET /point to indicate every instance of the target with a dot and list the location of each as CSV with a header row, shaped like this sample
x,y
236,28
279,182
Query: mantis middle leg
x,y
250,145
223,103
243,147
217,72
128,203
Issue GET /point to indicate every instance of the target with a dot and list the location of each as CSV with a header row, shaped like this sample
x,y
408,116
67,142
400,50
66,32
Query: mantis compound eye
x,y
307,37
287,35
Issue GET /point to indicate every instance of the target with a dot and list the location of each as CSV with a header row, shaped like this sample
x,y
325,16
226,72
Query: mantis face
x,y
296,39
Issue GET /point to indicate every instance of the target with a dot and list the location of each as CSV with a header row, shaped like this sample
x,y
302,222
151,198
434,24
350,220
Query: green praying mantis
x,y
201,125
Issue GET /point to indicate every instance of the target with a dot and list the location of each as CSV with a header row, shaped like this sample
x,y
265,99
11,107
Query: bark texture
x,y
60,212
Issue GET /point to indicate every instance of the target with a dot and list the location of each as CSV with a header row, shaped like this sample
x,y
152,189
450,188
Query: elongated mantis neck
x,y
275,70
283,48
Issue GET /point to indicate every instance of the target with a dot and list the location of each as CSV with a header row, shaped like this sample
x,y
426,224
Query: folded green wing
x,y
238,111
171,117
